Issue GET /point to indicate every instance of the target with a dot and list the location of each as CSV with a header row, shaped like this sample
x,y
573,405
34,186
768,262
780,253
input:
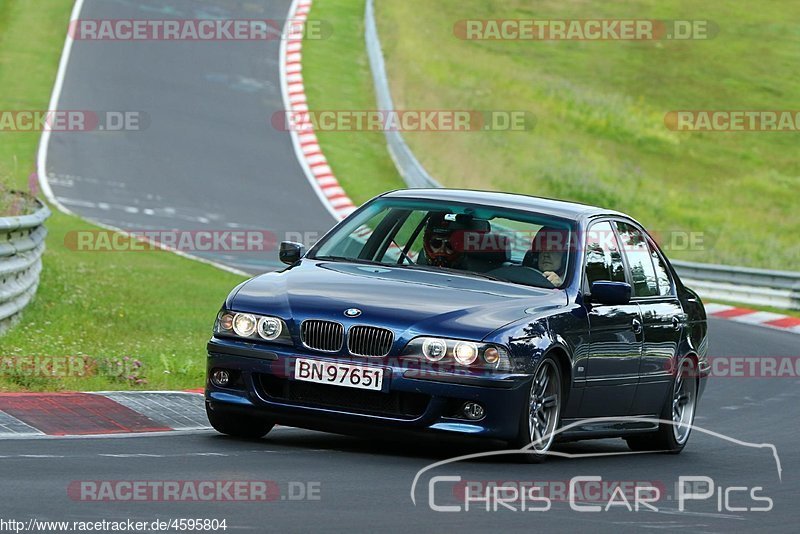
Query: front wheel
x,y
238,425
541,414
679,408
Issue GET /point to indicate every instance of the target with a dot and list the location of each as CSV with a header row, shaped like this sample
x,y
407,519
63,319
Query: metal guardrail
x,y
780,289
413,173
21,247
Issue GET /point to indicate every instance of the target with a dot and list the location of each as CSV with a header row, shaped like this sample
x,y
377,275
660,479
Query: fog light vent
x,y
220,377
473,411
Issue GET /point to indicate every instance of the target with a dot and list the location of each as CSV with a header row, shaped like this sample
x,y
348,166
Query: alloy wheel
x,y
684,397
545,405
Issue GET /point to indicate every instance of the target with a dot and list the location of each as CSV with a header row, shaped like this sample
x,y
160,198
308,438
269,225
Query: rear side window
x,y
643,274
664,282
603,258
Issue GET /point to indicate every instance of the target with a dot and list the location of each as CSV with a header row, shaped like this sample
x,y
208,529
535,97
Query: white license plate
x,y
339,374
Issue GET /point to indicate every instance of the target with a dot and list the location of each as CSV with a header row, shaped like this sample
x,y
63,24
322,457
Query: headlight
x,y
244,324
465,353
252,327
226,320
458,352
269,328
434,349
491,355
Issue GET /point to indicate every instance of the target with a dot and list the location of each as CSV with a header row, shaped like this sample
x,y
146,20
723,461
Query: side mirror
x,y
612,293
291,252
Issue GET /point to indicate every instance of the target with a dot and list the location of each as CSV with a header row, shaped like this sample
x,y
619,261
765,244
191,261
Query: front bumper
x,y
410,400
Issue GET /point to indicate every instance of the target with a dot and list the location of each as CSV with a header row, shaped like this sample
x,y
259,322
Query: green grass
x,y
31,36
337,77
154,307
600,136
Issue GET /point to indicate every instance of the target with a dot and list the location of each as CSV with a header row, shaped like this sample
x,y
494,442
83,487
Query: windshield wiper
x,y
434,269
428,268
351,260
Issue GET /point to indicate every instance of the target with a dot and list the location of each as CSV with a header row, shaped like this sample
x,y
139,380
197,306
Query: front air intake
x,y
327,336
369,341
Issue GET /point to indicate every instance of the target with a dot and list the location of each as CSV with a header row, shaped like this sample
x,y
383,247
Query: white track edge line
x,y
44,144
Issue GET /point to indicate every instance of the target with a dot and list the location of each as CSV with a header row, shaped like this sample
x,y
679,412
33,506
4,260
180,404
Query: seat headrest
x,y
485,246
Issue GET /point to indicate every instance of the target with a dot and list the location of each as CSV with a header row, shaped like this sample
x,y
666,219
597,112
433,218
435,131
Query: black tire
x,y
552,396
672,438
238,425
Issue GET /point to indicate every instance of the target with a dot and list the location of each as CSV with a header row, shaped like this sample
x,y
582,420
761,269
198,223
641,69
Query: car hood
x,y
409,301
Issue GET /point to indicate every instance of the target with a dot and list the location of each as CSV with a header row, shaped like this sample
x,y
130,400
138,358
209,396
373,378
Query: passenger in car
x,y
548,253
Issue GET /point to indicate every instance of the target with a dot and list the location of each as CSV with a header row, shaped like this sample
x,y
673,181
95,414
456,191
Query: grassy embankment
x,y
600,135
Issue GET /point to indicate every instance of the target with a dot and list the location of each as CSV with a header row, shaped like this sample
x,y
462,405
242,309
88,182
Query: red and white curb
x,y
777,321
25,415
306,145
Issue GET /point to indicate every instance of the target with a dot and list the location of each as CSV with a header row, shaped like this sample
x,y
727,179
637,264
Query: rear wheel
x,y
238,425
679,408
541,414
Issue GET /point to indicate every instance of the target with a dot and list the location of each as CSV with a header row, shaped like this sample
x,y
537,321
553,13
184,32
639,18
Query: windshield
x,y
495,243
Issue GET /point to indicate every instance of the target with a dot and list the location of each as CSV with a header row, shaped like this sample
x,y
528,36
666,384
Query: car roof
x,y
547,206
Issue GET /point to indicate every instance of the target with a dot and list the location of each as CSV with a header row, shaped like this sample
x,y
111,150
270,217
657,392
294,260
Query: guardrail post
x,y
412,171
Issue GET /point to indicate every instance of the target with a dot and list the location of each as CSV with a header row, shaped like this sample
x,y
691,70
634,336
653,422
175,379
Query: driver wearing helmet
x,y
440,247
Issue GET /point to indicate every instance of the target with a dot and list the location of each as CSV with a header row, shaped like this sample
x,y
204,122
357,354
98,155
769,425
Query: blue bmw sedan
x,y
492,315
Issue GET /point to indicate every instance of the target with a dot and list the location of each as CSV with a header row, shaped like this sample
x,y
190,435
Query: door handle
x,y
678,321
636,324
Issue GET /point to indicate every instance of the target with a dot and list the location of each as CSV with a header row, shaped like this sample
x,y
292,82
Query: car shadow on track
x,y
429,448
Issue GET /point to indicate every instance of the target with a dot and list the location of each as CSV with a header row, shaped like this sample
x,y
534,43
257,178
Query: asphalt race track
x,y
206,156
365,484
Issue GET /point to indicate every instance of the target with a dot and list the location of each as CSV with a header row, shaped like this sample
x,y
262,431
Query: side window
x,y
603,259
643,273
664,283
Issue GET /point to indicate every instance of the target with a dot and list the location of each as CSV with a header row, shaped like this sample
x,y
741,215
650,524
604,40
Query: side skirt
x,y
606,429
